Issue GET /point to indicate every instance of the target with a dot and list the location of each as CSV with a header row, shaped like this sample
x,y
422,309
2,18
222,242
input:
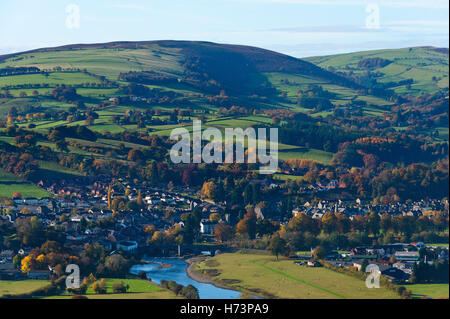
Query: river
x,y
177,272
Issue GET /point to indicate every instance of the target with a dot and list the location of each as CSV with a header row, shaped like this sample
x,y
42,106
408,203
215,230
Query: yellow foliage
x,y
27,264
41,259
208,190
214,217
150,229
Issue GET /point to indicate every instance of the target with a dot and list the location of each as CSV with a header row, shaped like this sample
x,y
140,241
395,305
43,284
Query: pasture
x,y
21,286
261,274
53,79
107,62
430,290
9,184
139,289
422,64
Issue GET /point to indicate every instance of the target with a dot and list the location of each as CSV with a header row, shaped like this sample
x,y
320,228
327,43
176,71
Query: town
x,y
122,216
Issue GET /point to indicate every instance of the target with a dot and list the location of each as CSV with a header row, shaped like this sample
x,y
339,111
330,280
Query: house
x,y
6,266
6,254
405,267
18,200
8,271
45,201
127,245
39,275
296,211
70,226
318,215
333,255
395,275
419,244
358,251
411,256
106,212
31,201
332,184
313,263
357,265
75,218
94,211
207,226
259,212
43,210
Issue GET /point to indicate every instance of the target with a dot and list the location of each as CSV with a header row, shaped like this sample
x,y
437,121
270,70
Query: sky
x,y
300,28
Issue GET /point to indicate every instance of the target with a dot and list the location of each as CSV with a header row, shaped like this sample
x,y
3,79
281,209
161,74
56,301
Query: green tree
x,y
277,245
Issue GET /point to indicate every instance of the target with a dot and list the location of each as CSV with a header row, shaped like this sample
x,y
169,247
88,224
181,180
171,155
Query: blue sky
x,y
296,27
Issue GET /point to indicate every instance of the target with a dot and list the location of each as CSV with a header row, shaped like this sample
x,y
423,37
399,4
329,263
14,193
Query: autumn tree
x,y
223,232
28,263
99,287
329,223
208,190
247,226
135,155
301,222
116,264
17,195
319,253
214,217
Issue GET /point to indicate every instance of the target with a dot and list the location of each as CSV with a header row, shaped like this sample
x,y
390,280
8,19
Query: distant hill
x,y
193,72
425,69
213,67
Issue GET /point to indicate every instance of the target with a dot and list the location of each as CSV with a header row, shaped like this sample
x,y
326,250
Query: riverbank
x,y
262,275
197,276
179,273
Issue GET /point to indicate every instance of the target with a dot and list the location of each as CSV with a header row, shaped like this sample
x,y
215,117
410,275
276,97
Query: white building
x,y
127,245
207,226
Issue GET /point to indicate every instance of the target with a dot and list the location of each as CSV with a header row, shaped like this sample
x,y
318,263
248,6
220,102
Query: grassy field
x,y
54,169
102,61
68,78
430,290
317,155
420,64
19,287
139,289
260,274
291,84
9,184
443,245
284,177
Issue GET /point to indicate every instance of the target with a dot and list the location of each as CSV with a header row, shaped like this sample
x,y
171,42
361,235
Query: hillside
x,y
409,70
209,66
196,71
100,101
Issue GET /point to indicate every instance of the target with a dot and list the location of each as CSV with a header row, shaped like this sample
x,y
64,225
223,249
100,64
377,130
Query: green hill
x,y
238,70
225,85
426,68
196,71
